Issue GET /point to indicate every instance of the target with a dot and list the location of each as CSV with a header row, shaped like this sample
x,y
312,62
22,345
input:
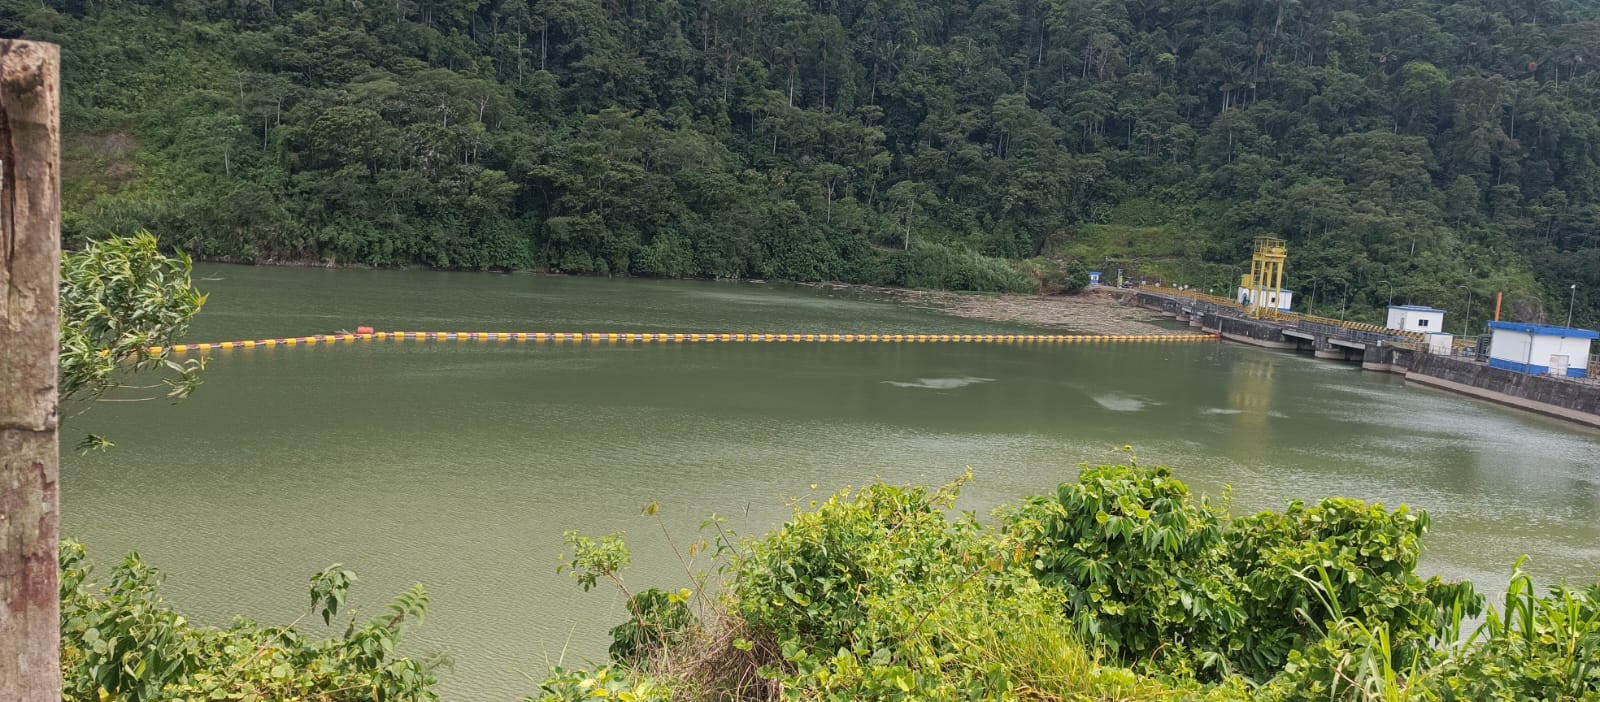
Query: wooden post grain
x,y
30,271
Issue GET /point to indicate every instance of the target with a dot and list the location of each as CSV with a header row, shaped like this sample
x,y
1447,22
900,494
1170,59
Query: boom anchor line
x,y
610,338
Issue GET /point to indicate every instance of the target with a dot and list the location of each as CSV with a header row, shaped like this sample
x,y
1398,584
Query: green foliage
x,y
1050,276
1532,648
122,641
603,683
880,594
883,594
1160,580
660,619
119,298
940,267
1308,570
592,560
1144,569
1353,662
834,140
657,618
1074,279
328,590
1536,648
1000,639
810,581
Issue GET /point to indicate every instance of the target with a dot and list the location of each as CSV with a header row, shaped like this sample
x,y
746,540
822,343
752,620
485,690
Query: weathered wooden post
x,y
30,271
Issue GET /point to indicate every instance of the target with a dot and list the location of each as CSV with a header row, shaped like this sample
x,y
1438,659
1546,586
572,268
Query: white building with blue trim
x,y
1416,318
1279,298
1538,349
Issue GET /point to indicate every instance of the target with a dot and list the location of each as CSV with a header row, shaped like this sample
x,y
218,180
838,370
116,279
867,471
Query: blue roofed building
x,y
1416,318
1538,349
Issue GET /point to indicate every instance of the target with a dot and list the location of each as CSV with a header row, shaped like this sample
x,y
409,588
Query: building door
x,y
1558,366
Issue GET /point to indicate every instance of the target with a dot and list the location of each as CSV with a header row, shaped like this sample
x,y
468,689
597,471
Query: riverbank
x,y
1094,311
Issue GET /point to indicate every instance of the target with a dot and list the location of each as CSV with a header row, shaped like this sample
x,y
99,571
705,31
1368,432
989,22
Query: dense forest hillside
x,y
1413,149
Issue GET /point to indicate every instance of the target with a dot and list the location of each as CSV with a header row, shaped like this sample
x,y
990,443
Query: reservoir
x,y
459,464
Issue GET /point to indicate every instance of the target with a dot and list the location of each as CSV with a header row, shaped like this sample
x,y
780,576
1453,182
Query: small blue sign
x,y
1094,277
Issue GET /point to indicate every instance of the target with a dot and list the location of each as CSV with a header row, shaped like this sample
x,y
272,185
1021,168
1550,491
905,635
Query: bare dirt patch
x,y
1095,311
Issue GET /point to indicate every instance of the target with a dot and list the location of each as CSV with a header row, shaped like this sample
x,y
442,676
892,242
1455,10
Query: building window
x,y
1422,322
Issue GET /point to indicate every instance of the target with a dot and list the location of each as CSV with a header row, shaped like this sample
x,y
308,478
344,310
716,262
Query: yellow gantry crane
x,y
1265,280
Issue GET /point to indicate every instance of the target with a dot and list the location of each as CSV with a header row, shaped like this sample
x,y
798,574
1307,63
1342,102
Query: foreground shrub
x,y
814,581
1536,648
879,594
121,641
1144,569
605,683
1161,581
1550,646
1120,586
1312,569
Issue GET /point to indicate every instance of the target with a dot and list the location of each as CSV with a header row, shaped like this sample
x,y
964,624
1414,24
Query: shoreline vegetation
x,y
1119,585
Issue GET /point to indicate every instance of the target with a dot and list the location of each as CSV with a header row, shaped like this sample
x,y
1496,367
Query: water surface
x,y
460,464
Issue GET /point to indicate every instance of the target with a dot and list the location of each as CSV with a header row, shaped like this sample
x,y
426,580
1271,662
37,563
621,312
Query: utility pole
x,y
1344,297
30,273
1571,299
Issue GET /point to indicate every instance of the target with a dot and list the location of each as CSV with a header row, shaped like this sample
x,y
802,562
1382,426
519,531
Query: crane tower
x,y
1265,280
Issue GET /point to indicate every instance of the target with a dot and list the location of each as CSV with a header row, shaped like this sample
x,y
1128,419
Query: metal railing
x,y
1343,329
1465,348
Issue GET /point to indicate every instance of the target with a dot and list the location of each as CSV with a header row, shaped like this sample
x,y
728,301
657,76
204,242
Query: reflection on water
x,y
460,464
1250,399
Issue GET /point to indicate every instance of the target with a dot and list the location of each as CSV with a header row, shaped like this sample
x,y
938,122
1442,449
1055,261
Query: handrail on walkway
x,y
1291,317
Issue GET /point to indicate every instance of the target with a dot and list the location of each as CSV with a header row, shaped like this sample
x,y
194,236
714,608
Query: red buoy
x,y
363,330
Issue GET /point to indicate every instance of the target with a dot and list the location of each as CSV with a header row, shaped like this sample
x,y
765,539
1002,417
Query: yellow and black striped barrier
x,y
593,338
1283,316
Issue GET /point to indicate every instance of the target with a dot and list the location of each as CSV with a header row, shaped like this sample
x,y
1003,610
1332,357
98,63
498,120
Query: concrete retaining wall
x,y
1164,305
1387,359
1250,331
1579,402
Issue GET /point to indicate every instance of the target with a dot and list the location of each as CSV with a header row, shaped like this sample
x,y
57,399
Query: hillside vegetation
x,y
1448,148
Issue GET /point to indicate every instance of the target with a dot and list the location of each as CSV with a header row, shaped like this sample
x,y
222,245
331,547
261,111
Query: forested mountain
x,y
1403,147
